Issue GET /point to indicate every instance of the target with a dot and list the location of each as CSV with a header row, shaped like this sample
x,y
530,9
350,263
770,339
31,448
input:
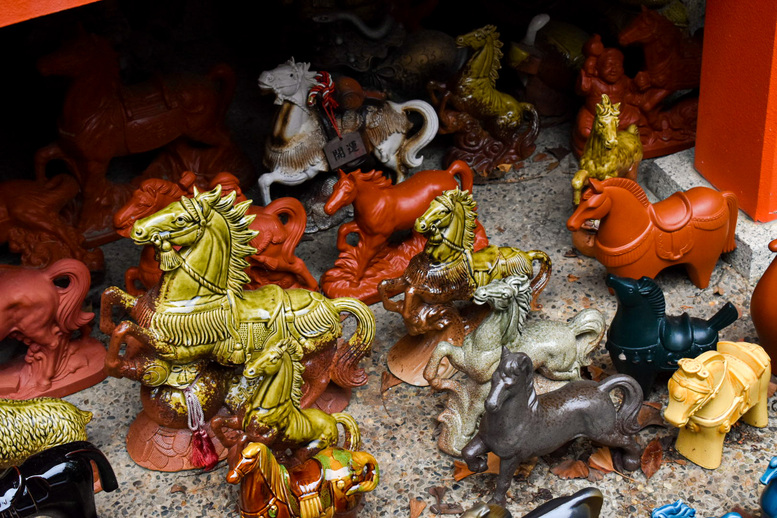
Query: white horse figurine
x,y
294,152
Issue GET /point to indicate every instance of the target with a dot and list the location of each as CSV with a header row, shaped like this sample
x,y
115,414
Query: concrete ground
x,y
528,209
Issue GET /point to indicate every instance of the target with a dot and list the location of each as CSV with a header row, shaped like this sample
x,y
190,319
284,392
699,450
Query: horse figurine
x,y
557,349
637,238
42,308
486,122
329,484
58,481
643,340
103,118
672,60
380,209
274,261
519,424
222,322
680,509
709,393
294,152
608,153
768,498
586,503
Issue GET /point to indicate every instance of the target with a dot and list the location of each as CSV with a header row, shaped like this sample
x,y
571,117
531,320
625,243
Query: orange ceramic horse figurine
x,y
380,209
274,261
637,238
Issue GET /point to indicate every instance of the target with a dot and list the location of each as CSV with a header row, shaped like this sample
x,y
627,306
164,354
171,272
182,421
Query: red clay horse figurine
x,y
637,238
380,209
274,261
102,118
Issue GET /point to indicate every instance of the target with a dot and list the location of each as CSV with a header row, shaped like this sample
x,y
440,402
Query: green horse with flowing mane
x,y
200,309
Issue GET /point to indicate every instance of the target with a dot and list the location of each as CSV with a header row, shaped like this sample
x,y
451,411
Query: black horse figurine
x,y
586,503
519,424
644,341
58,482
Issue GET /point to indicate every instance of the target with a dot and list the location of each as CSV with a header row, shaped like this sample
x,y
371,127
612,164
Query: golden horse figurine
x,y
709,393
608,152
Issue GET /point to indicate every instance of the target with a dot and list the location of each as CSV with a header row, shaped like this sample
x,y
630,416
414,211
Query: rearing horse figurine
x,y
294,152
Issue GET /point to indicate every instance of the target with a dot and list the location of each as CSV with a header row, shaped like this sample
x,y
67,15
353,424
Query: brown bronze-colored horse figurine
x,y
102,118
274,261
519,424
329,484
380,209
637,238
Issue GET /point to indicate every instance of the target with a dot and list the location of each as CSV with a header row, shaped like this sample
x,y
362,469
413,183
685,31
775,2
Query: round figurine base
x,y
160,448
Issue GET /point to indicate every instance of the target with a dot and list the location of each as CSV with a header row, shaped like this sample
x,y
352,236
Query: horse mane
x,y
240,235
274,473
631,186
653,294
456,196
160,186
525,365
375,177
294,349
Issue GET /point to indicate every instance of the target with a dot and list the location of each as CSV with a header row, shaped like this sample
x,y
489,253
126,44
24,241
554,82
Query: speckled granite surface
x,y
528,208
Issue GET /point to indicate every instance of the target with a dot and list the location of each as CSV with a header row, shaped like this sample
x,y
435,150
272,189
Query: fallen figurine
x,y
680,509
586,503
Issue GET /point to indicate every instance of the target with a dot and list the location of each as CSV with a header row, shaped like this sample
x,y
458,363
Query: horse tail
x,y
540,280
466,177
353,438
589,322
297,220
633,129
733,213
345,370
224,76
69,314
626,417
423,136
87,450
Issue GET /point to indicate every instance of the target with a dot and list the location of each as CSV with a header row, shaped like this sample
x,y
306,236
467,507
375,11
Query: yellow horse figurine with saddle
x,y
709,393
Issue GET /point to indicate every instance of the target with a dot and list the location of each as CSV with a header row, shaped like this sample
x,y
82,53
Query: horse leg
x,y
287,178
631,451
388,288
114,296
700,273
48,153
475,454
350,227
265,181
442,350
507,467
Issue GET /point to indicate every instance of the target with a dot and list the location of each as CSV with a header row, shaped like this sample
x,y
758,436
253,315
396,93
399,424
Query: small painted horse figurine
x,y
680,509
519,424
637,238
643,340
586,503
56,482
274,260
768,498
608,152
380,209
709,393
294,152
329,484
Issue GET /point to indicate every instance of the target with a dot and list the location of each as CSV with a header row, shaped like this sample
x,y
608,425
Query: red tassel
x,y
203,451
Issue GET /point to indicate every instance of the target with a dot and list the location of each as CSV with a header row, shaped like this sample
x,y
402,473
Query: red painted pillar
x,y
736,136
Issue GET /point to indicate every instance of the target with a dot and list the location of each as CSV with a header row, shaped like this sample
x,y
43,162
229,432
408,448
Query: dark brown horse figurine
x,y
102,118
637,238
329,484
519,424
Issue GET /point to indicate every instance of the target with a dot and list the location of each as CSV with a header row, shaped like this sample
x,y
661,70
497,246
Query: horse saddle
x,y
673,234
307,485
146,100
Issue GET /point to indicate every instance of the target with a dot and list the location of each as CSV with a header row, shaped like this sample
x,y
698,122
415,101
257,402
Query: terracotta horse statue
x,y
102,118
709,393
333,481
294,152
380,210
608,152
672,60
558,350
637,238
540,424
223,322
274,261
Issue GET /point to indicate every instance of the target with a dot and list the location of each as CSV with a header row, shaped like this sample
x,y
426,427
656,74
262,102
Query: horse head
x,y
365,474
250,456
453,213
478,38
513,371
595,205
343,192
500,293
152,195
642,293
287,79
690,388
643,28
770,473
605,126
85,54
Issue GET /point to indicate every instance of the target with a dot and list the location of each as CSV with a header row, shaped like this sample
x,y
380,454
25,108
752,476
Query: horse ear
x,y
341,174
596,185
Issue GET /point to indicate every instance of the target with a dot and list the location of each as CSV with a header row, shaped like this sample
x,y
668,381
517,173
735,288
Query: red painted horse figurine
x,y
380,209
274,261
637,238
102,119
